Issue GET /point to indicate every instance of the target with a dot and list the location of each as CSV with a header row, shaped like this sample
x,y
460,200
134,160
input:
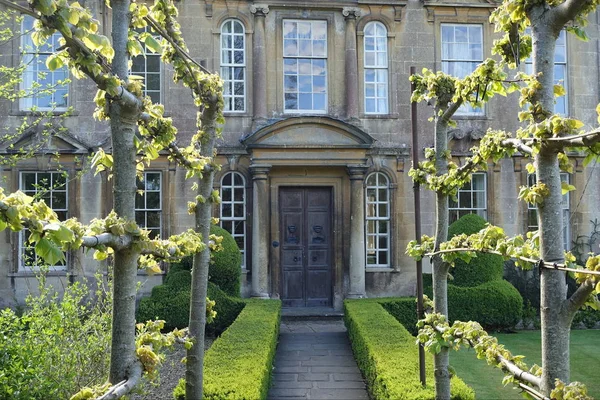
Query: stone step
x,y
311,314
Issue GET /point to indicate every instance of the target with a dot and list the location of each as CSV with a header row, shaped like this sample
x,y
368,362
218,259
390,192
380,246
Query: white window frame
x,y
465,109
561,45
373,218
233,219
457,210
33,57
145,209
566,210
312,58
229,96
33,192
145,73
379,69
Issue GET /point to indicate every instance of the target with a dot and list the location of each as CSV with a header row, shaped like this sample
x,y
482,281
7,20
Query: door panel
x,y
306,246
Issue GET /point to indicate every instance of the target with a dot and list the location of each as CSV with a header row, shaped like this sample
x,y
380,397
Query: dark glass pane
x,y
238,57
226,194
238,180
238,88
383,242
28,181
383,226
140,218
238,73
291,101
290,83
155,97
226,225
383,257
239,227
139,201
227,179
44,181
154,234
153,82
371,259
62,215
153,200
59,181
383,195
59,200
138,64
153,219
153,63
237,27
238,42
239,194
226,210
383,210
238,210
153,181
464,199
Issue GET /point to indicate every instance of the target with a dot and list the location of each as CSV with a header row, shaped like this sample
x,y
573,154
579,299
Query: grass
x,y
487,380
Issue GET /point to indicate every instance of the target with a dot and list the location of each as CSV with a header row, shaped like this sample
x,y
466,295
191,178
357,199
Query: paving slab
x,y
314,361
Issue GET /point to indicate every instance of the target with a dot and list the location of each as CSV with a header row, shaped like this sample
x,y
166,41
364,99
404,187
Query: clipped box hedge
x,y
238,364
404,309
388,356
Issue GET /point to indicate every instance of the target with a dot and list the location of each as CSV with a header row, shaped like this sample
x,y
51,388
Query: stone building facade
x,y
316,144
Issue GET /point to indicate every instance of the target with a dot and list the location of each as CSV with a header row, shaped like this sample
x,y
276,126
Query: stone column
x,y
260,230
259,63
357,231
351,62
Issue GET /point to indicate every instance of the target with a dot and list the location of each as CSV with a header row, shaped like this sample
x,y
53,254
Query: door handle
x,y
296,259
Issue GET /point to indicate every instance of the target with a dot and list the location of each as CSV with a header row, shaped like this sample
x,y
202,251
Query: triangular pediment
x,y
309,132
50,142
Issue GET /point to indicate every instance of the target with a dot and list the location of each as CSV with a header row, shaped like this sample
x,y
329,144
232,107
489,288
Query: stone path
x,y
314,361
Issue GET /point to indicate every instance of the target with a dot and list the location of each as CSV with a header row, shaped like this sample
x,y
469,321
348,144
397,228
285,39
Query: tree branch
x,y
578,298
584,139
518,373
450,111
519,145
20,8
122,388
568,10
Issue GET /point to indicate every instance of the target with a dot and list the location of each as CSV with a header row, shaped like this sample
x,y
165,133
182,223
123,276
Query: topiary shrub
x,y
496,305
171,303
225,265
404,309
483,268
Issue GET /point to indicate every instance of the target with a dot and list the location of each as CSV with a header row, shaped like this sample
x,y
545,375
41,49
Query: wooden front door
x,y
305,225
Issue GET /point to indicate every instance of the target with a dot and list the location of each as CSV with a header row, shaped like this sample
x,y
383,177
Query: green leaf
x,y
559,91
152,44
530,168
60,233
566,188
2,225
49,251
100,255
54,62
93,41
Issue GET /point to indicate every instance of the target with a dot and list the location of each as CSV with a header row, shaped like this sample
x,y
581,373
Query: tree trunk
x,y
555,323
123,126
440,268
195,355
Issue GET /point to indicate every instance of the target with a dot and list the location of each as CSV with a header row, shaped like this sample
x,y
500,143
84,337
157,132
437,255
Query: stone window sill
x,y
380,269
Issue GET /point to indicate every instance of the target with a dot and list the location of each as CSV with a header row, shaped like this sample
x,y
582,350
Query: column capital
x,y
260,171
259,10
357,172
351,13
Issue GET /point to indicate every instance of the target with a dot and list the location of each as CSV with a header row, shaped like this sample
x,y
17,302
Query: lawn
x,y
487,380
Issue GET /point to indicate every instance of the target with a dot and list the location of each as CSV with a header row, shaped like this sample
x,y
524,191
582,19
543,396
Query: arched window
x,y
233,65
376,68
377,216
233,209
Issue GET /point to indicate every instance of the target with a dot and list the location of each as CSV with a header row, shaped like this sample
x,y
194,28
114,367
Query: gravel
x,y
171,371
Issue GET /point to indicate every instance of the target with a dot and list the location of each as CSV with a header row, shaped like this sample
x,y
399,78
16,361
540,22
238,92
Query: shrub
x,y
388,356
172,304
496,305
483,268
57,346
404,309
238,364
225,265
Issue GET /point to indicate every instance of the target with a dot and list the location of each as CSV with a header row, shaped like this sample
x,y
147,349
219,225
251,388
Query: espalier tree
x,y
120,100
545,138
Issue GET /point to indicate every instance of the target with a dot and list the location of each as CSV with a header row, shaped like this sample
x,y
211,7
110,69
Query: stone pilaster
x,y
260,230
357,231
259,63
351,63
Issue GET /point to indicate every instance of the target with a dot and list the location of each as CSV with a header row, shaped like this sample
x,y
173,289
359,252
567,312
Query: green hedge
x,y
404,309
226,265
496,305
483,268
238,364
388,356
171,303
